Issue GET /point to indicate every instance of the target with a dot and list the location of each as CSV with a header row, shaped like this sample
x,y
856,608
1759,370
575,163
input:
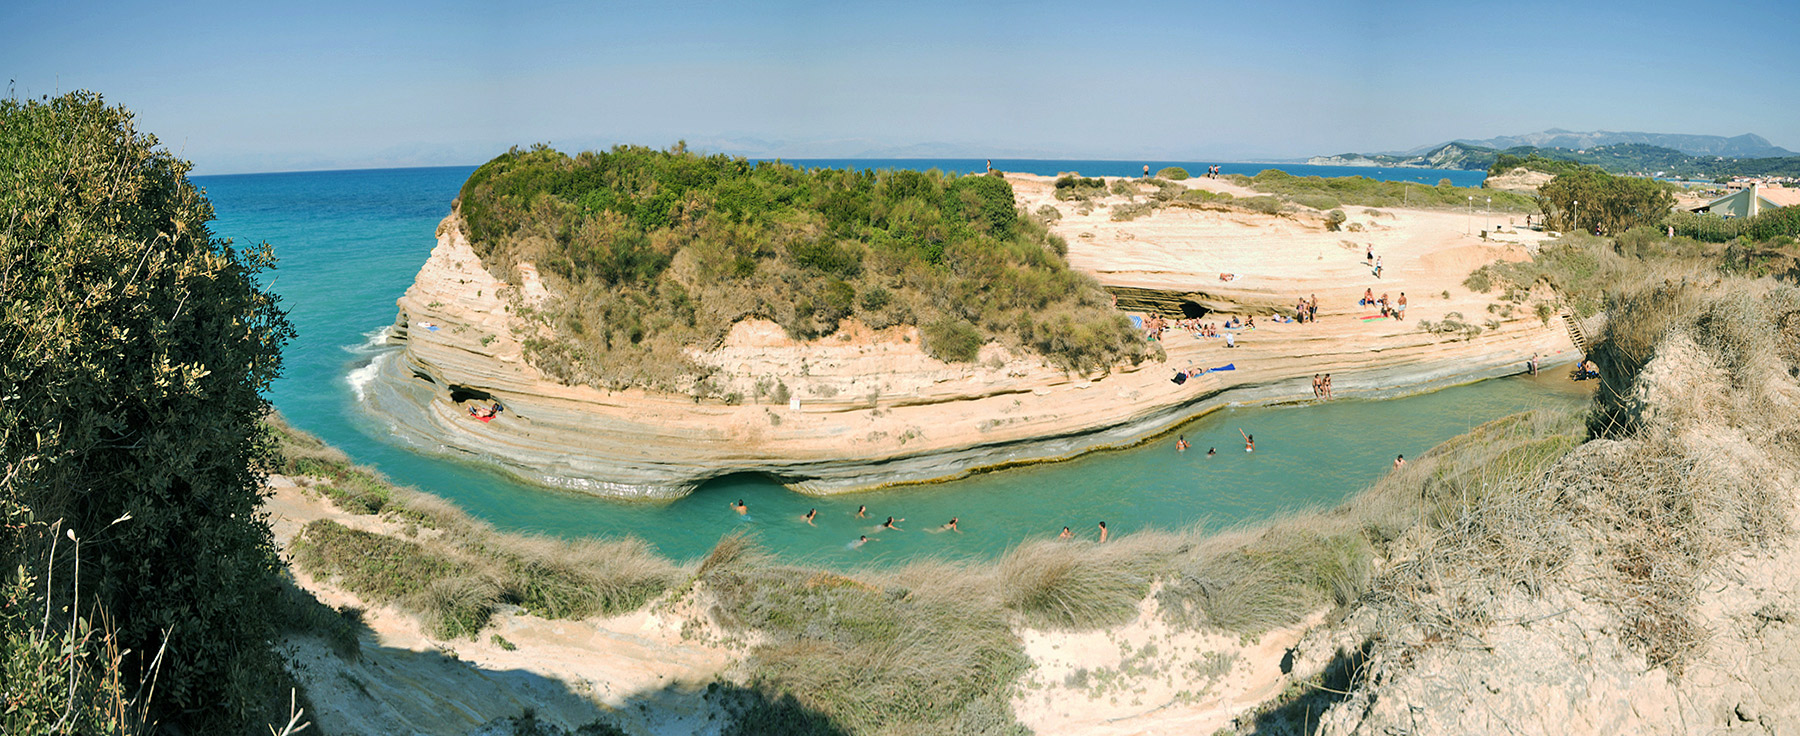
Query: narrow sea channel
x,y
349,243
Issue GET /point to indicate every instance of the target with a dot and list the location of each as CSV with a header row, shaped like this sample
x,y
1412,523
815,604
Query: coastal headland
x,y
865,408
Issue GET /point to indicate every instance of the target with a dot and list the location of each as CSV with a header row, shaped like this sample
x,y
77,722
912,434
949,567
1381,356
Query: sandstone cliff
x,y
862,408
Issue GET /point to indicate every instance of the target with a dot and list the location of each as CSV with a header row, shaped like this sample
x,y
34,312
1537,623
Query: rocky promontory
x,y
865,408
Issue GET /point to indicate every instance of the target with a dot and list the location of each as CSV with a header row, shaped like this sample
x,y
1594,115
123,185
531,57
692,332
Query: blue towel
x,y
1226,367
1136,321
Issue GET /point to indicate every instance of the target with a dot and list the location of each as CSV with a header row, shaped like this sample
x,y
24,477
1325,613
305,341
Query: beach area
x,y
868,408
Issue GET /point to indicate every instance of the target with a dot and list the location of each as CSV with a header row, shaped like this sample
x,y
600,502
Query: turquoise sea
x,y
350,242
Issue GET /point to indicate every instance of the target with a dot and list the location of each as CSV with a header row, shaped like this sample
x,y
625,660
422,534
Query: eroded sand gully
x,y
874,410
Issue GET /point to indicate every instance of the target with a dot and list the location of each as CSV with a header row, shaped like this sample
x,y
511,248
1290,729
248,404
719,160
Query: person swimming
x,y
740,507
950,526
862,512
1399,461
1212,451
1181,443
808,518
1103,532
860,541
1249,441
889,524
1066,534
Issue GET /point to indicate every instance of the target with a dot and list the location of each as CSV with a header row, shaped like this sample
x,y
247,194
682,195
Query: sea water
x,y
350,242
1052,167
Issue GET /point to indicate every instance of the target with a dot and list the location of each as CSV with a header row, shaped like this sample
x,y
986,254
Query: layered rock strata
x,y
863,409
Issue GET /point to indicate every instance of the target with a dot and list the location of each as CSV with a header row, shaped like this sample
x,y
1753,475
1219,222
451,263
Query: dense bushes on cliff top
x,y
654,251
137,348
1325,194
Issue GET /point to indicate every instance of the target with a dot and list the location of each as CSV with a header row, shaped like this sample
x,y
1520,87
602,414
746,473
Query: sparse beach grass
x,y
1431,548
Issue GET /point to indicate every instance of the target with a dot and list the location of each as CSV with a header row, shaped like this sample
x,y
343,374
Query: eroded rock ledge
x,y
873,410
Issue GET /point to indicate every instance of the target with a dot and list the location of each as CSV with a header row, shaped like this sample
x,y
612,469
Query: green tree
x,y
137,350
1589,198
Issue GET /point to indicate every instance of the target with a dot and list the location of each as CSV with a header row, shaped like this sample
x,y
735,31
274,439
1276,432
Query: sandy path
x,y
1146,678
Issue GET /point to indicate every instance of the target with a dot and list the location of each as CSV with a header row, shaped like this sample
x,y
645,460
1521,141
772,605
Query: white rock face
x,y
874,410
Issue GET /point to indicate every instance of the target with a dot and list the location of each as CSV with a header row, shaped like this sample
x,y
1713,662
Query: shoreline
x,y
923,421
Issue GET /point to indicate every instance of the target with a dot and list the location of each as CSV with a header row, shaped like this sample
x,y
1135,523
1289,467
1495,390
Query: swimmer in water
x,y
1399,461
1066,534
950,526
889,524
808,518
740,507
1211,451
1103,532
862,512
860,541
1249,441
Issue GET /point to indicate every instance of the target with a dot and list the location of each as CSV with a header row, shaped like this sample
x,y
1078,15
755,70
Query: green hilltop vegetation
x,y
141,584
1325,194
655,251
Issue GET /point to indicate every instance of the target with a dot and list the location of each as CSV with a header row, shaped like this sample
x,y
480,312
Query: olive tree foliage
x,y
1613,204
134,349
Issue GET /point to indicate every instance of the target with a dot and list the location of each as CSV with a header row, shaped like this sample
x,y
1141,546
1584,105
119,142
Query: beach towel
x,y
485,420
1226,367
1374,318
1136,321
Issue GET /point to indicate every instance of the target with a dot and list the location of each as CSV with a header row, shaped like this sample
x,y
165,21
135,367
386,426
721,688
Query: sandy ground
x,y
1146,678
638,671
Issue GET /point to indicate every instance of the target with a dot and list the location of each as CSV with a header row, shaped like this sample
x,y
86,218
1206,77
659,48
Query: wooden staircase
x,y
1576,335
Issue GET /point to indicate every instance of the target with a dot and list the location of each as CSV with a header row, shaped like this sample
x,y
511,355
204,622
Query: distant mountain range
x,y
1662,154
1748,145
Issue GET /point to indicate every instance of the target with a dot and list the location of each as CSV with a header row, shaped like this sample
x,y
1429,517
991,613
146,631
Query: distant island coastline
x,y
1641,154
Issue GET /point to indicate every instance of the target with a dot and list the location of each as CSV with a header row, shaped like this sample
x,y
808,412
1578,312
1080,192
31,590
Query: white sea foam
x,y
373,340
360,378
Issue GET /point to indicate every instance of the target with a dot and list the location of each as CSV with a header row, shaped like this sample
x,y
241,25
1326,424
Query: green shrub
x,y
651,253
138,348
1264,205
1132,210
952,341
1480,281
1173,173
1335,220
1073,187
1320,202
1324,194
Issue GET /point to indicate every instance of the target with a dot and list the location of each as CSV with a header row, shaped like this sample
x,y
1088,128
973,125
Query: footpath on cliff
x,y
866,408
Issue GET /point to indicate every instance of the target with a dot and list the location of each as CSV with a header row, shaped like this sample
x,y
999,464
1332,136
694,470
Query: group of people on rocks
x,y
1373,260
1322,386
1307,310
1395,308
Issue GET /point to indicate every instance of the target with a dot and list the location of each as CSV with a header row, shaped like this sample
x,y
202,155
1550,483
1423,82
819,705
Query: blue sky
x,y
247,86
